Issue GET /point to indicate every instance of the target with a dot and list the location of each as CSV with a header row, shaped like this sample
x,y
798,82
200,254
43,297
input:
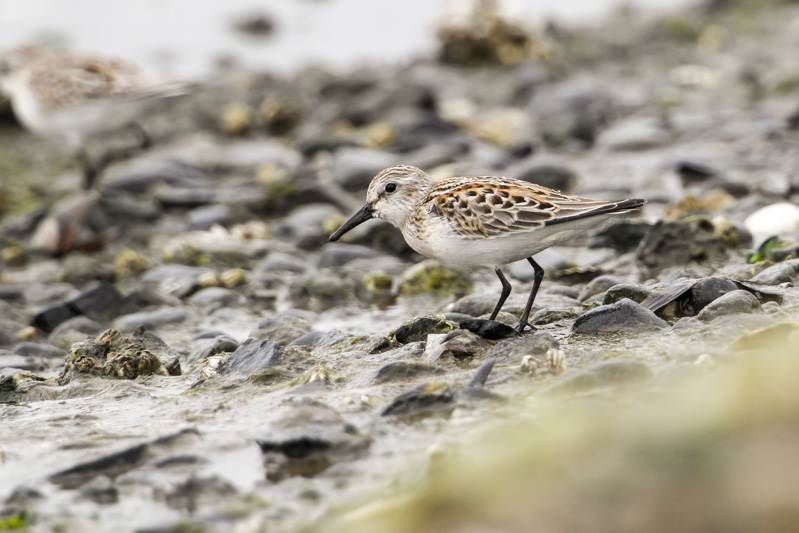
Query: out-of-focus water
x,y
187,37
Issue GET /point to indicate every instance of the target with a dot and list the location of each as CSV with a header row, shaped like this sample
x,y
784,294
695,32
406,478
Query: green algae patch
x,y
431,277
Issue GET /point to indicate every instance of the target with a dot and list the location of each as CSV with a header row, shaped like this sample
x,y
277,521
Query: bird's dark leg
x,y
502,297
539,275
90,170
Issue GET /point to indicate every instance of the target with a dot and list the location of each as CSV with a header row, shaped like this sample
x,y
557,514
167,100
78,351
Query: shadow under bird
x,y
72,96
481,221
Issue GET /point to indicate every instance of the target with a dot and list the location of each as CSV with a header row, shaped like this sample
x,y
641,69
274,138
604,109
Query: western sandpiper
x,y
73,96
481,221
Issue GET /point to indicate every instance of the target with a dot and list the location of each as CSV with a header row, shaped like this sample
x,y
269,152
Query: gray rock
x,y
252,356
573,110
634,134
216,296
609,374
339,254
281,262
738,301
31,349
405,371
9,360
354,168
150,319
8,331
786,272
537,343
624,315
633,291
305,225
203,218
282,329
599,285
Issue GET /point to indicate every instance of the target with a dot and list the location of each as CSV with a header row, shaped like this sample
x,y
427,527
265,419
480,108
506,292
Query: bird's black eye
x,y
391,187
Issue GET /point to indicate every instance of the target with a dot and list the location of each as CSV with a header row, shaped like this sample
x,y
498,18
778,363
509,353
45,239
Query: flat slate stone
x,y
624,315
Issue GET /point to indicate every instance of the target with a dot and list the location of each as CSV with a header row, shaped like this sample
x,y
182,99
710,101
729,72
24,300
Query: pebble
x,y
737,301
624,315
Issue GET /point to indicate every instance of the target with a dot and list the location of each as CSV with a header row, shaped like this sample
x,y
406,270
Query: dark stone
x,y
339,254
669,243
610,374
12,294
694,172
420,327
118,463
101,303
489,329
405,371
624,315
420,402
111,465
307,441
623,236
733,302
253,355
531,344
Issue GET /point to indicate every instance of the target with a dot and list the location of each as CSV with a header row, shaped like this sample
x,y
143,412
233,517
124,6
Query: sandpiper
x,y
72,96
481,221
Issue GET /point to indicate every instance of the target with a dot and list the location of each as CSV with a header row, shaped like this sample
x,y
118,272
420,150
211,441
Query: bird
x,y
72,96
483,221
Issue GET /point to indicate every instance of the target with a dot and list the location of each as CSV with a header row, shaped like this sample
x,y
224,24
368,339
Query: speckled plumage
x,y
69,95
480,221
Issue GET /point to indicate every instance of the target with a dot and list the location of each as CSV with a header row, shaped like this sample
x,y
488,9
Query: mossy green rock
x,y
430,277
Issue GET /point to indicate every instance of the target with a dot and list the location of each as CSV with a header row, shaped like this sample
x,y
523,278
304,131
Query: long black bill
x,y
365,213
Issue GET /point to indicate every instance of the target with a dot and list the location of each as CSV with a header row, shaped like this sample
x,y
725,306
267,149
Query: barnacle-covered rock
x,y
113,355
